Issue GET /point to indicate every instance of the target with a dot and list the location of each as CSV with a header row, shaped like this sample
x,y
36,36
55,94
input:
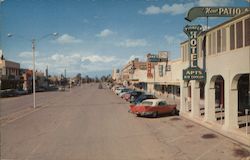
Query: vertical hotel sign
x,y
193,72
149,71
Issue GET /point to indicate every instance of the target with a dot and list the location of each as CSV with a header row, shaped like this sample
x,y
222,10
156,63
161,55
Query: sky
x,y
95,36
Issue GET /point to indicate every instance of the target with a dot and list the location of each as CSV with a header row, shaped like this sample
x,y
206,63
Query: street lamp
x,y
33,41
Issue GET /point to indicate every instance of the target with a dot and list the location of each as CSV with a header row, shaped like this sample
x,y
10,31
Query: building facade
x,y
9,73
222,99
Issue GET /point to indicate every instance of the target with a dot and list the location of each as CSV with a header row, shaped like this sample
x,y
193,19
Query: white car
x,y
118,90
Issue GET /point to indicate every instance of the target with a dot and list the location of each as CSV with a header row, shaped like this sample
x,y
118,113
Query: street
x,y
88,123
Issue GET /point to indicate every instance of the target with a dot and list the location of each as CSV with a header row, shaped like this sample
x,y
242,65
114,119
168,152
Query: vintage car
x,y
153,107
132,95
141,98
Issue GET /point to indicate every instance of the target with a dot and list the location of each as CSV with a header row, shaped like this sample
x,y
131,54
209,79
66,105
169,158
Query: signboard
x,y
143,67
149,71
193,72
192,32
195,12
163,54
161,57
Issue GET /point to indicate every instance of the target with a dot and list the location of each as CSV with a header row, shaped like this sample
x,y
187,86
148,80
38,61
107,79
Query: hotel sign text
x,y
193,72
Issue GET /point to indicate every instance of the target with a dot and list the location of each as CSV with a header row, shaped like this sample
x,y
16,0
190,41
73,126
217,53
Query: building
x,y
9,73
9,69
227,63
221,100
116,75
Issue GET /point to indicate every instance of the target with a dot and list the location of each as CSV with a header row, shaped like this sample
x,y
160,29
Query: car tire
x,y
155,114
174,112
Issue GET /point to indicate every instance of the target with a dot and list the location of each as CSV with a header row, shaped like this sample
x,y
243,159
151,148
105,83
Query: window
x,y
182,53
146,103
162,103
223,39
247,32
239,35
213,42
219,41
161,70
232,37
209,44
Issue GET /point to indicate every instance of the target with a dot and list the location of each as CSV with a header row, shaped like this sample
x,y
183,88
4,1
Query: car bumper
x,y
144,113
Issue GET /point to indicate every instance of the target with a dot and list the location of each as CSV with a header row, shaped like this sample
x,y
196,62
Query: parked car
x,y
61,88
123,91
117,91
142,98
115,87
132,95
153,107
100,86
21,92
8,93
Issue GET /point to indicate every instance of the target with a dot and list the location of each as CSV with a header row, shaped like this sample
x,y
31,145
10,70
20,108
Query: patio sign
x,y
195,12
193,72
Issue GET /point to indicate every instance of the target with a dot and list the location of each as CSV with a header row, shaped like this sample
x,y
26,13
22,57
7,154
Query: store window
x,y
232,37
239,34
218,41
247,32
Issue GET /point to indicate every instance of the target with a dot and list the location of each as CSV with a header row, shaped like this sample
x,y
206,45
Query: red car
x,y
153,107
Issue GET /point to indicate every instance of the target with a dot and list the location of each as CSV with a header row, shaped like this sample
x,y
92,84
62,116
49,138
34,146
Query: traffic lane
x,y
22,138
99,127
15,104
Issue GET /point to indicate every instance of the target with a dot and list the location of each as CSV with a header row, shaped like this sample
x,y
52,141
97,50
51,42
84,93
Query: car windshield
x,y
146,103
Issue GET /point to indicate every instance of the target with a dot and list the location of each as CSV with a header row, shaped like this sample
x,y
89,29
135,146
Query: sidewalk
x,y
237,134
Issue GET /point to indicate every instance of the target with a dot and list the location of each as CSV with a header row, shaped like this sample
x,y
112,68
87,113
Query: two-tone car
x,y
153,107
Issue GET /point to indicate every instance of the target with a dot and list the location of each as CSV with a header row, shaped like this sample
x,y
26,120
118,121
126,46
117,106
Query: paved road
x,y
92,124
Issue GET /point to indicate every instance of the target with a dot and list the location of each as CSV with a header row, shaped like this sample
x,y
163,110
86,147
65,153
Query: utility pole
x,y
34,73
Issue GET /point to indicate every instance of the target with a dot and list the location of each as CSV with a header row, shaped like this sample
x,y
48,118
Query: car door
x,y
163,107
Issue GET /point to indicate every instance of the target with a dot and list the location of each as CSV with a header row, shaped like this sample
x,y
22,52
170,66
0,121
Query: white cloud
x,y
132,57
25,54
151,10
214,2
105,33
176,8
97,58
67,39
28,54
173,9
75,63
180,8
134,43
